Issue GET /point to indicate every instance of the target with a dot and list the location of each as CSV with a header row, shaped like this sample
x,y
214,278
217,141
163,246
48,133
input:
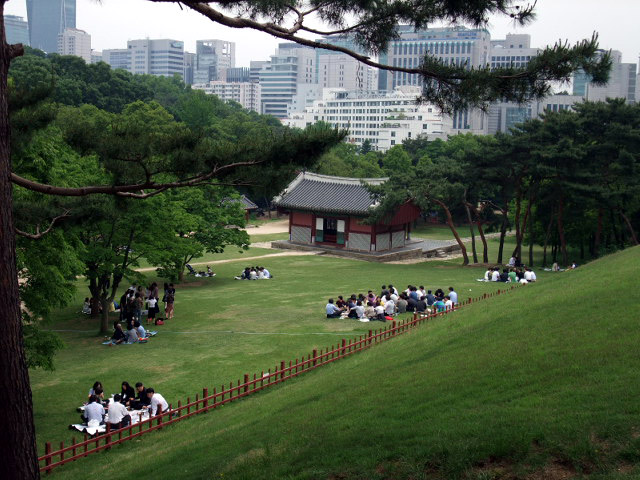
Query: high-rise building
x,y
237,75
213,57
254,69
339,70
285,76
622,82
96,56
162,57
514,51
189,67
452,46
16,29
47,19
73,41
117,58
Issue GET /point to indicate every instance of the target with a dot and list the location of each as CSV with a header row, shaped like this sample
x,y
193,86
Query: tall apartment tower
x,y
289,79
453,46
48,19
213,57
73,41
622,82
16,29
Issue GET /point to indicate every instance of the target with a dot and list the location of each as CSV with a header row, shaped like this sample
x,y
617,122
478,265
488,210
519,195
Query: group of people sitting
x,y
391,302
134,333
254,273
208,273
121,404
509,275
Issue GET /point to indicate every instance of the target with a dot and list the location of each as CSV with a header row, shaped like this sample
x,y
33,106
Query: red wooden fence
x,y
52,459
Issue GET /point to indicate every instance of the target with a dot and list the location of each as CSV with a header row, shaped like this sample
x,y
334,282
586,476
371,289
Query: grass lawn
x,y
268,237
537,384
205,344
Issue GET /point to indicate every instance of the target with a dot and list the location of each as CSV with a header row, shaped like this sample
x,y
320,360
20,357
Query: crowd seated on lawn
x,y
390,302
521,275
116,411
254,273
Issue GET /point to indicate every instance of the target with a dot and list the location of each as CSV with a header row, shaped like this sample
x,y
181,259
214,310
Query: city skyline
x,y
556,20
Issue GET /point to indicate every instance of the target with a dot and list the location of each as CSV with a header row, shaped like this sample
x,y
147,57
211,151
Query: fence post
x,y
47,451
73,442
188,405
205,399
393,328
283,366
344,346
108,436
246,383
315,356
179,408
61,453
197,403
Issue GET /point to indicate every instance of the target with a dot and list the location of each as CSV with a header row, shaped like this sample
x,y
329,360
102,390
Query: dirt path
x,y
279,226
288,253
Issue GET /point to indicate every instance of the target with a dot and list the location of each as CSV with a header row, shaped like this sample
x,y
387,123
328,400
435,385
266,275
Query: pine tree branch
x,y
38,235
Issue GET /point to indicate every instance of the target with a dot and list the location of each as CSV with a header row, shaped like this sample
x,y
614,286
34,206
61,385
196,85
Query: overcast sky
x,y
112,22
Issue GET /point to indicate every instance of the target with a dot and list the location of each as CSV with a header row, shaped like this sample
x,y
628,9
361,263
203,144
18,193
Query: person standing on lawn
x,y
171,295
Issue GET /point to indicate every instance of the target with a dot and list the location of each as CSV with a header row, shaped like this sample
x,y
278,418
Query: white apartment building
x,y
246,94
514,51
384,119
73,41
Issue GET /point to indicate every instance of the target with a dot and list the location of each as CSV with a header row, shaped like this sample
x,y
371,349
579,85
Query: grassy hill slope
x,y
539,383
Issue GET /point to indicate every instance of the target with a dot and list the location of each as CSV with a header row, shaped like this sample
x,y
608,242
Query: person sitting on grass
x,y
421,306
504,276
439,294
132,332
96,386
379,312
359,309
487,274
390,307
332,310
412,304
94,413
142,400
142,333
86,307
453,295
402,303
439,305
118,335
127,393
448,303
157,404
369,310
118,415
340,303
431,298
495,275
530,276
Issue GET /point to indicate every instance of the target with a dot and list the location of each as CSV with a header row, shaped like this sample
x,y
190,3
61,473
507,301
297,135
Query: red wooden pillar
x,y
282,368
315,357
246,383
344,346
205,398
47,451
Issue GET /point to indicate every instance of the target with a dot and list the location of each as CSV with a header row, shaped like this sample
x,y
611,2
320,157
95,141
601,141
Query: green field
x,y
527,380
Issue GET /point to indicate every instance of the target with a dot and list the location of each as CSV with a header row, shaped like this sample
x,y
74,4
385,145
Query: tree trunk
x,y
597,240
531,240
503,234
485,248
463,249
632,232
473,235
18,439
517,250
563,241
546,241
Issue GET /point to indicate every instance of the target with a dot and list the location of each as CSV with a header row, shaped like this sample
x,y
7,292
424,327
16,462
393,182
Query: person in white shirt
x,y
512,262
158,403
453,296
529,275
118,415
422,292
487,275
93,412
448,304
390,307
495,275
379,312
393,290
142,333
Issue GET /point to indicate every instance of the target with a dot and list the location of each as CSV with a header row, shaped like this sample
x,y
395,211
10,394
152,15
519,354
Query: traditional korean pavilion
x,y
327,211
